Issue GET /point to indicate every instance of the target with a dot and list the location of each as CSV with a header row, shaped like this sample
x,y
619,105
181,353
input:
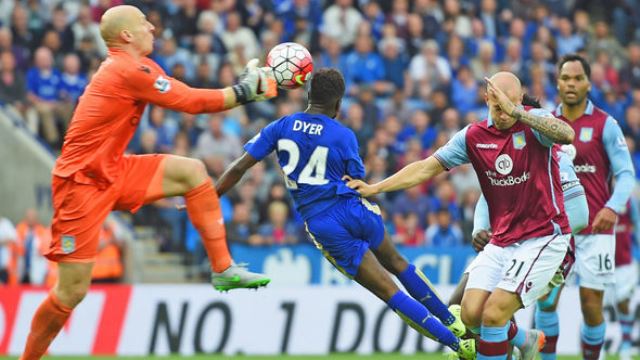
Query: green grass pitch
x,y
333,356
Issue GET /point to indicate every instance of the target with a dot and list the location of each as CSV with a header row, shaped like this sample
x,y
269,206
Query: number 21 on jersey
x,y
313,172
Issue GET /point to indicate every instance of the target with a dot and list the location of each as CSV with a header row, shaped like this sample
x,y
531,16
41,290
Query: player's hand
x,y
254,84
480,239
497,95
604,220
360,186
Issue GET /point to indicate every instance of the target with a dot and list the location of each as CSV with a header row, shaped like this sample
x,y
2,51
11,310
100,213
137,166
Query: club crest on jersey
x,y
68,243
519,140
162,84
586,134
504,164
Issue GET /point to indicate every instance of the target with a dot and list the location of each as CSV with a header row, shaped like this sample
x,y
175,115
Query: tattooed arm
x,y
555,129
544,122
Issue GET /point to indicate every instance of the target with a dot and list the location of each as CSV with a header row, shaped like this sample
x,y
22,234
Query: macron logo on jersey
x,y
487,146
162,85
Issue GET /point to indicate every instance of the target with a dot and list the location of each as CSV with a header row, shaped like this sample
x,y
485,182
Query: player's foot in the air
x,y
457,327
532,346
467,349
238,277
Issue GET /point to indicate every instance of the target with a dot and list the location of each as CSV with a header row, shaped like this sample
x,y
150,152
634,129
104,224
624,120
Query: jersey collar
x,y
587,111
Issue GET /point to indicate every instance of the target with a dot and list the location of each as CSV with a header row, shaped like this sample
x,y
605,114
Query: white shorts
x,y
524,268
626,281
595,260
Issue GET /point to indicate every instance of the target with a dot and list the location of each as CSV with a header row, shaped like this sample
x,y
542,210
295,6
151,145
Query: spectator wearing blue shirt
x,y
332,55
374,15
419,128
464,90
72,84
395,63
363,66
43,81
567,41
443,232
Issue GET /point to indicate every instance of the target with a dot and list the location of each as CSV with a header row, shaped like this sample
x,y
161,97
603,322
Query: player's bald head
x,y
509,84
116,19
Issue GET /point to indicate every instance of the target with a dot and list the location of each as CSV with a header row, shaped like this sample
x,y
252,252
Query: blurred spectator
x,y
60,25
420,128
603,41
279,230
427,70
630,73
567,41
33,242
13,89
443,232
85,28
483,65
108,267
215,143
205,60
364,67
410,201
395,64
408,231
8,239
341,21
236,35
72,84
489,18
43,81
464,89
241,230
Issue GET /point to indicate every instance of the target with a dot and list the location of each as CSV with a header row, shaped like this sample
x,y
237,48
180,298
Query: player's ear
x,y
126,36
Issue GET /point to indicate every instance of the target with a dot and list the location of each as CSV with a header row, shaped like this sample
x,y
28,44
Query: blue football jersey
x,y
314,152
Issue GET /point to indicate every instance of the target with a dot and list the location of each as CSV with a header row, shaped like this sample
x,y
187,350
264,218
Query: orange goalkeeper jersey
x,y
109,112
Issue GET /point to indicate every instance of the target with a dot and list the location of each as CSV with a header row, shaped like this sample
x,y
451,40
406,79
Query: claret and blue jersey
x,y
315,152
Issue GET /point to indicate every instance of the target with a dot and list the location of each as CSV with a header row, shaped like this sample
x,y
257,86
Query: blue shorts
x,y
346,231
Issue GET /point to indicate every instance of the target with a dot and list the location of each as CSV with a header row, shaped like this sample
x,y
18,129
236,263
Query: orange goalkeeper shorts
x,y
81,209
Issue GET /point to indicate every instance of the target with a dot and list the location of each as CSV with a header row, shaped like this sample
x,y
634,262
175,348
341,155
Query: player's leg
x,y
546,320
79,211
72,285
496,323
595,255
375,278
181,176
626,280
417,284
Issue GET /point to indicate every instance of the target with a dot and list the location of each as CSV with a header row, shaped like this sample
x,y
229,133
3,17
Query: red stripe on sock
x,y
550,345
493,348
513,330
591,352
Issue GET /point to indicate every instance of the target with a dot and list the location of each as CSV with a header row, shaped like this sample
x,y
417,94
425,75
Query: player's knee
x,y
396,263
471,314
496,311
72,295
197,171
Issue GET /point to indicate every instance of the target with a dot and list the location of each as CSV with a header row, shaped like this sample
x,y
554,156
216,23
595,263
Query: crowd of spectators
x,y
414,72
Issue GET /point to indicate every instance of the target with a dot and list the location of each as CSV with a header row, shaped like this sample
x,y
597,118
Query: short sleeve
x,y
454,153
264,142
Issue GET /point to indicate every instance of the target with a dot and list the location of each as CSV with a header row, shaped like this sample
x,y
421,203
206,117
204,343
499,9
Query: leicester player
x,y
599,152
315,153
512,154
92,176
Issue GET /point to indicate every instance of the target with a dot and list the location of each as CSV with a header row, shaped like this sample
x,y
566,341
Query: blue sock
x,y
520,338
547,321
593,335
626,325
421,289
494,342
419,318
592,338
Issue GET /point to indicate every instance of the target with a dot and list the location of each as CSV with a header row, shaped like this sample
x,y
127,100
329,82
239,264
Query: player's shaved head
x,y
116,19
509,84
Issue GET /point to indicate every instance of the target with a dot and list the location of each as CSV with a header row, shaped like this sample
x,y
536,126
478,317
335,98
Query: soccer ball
x,y
291,63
